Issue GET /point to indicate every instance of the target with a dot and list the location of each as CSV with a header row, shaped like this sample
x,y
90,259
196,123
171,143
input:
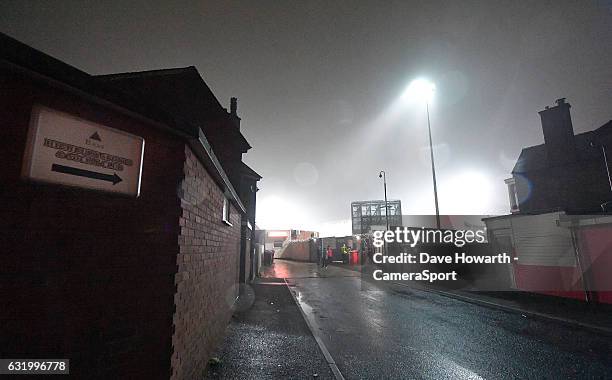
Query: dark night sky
x,y
317,83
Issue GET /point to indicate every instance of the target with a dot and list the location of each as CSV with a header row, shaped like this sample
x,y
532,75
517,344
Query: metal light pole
x,y
383,175
606,205
433,168
422,89
605,157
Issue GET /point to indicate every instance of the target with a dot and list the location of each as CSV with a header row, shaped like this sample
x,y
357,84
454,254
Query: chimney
x,y
233,106
558,133
233,114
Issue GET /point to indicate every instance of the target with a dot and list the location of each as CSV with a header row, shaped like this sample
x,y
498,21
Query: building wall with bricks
x,y
207,270
137,288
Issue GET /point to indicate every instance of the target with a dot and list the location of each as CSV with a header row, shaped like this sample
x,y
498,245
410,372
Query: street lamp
x,y
383,175
423,89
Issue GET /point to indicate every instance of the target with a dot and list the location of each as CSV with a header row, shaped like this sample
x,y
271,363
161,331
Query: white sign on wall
x,y
67,150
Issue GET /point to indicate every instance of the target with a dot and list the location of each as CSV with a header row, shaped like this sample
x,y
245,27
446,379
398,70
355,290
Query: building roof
x,y
375,201
21,59
534,157
246,170
20,56
158,86
182,92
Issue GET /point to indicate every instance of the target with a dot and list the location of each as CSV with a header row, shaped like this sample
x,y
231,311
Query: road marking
x,y
330,360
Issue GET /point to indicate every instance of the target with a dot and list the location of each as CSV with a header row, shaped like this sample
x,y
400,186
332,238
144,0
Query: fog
x,y
318,84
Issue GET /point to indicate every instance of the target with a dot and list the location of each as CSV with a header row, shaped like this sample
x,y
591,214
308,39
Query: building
x,y
367,216
559,230
276,239
298,245
124,257
249,249
568,172
183,93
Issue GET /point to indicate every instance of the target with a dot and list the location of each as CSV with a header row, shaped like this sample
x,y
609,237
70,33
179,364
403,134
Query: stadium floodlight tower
x,y
423,90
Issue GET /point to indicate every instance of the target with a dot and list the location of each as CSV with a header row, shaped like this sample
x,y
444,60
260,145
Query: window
x,y
226,211
278,244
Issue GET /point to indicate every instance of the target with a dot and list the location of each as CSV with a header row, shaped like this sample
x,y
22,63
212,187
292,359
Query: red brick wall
x,y
91,276
87,275
207,271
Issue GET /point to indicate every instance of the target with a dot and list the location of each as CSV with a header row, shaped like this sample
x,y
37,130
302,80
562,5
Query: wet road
x,y
373,331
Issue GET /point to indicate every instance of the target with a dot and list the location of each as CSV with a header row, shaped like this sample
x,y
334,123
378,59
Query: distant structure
x,y
275,239
568,172
367,216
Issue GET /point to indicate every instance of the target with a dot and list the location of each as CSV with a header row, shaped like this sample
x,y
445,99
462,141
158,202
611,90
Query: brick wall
x,y
87,275
207,271
299,250
92,276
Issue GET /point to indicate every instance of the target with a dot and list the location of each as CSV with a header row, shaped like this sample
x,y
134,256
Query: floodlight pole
x,y
433,170
605,157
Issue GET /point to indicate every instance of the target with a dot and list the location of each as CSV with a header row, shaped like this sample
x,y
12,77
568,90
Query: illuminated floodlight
x,y
419,90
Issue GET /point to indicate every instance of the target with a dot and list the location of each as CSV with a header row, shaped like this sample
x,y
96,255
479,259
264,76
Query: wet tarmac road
x,y
375,332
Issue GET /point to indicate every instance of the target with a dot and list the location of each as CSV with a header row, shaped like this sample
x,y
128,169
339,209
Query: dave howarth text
x,y
426,258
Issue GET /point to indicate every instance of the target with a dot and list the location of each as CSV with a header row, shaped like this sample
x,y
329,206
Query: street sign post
x,y
68,150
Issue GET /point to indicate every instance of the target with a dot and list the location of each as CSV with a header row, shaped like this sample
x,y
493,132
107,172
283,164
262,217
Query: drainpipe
x,y
582,263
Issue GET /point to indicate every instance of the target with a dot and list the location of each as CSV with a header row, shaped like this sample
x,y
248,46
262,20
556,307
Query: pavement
x,y
376,330
268,338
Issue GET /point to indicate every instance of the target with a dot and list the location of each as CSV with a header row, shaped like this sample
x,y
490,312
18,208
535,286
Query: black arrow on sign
x,y
114,178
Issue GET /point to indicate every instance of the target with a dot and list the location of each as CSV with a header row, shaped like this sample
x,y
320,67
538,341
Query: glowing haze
x,y
320,87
